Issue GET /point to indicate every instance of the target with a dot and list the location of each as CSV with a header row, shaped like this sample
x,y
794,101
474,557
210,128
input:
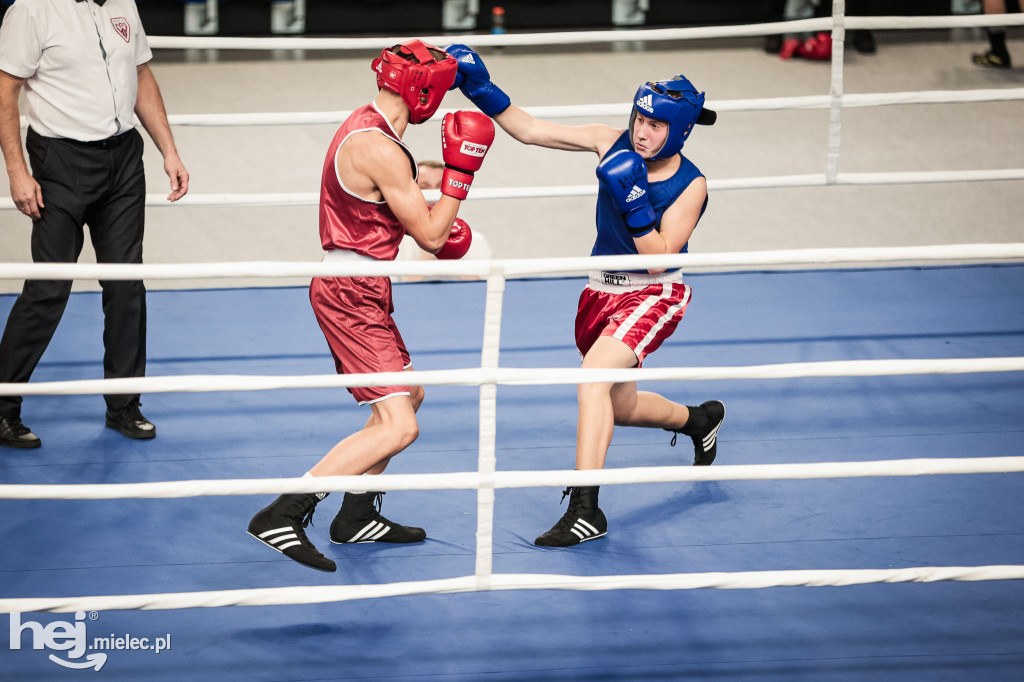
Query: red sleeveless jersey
x,y
347,221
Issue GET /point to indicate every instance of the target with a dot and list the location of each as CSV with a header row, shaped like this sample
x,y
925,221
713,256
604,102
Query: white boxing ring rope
x,y
488,375
519,479
518,267
622,109
546,192
320,594
714,184
486,479
584,37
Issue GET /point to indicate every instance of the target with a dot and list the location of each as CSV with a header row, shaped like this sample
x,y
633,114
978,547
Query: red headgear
x,y
410,71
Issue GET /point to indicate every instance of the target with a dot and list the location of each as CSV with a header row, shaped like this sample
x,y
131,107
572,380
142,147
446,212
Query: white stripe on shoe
x,y
379,534
276,531
279,538
709,440
371,532
585,531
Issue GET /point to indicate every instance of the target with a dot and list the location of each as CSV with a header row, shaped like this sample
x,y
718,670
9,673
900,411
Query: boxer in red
x,y
649,201
368,200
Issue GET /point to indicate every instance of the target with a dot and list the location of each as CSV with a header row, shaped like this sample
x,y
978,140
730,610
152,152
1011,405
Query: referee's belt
x,y
107,143
634,279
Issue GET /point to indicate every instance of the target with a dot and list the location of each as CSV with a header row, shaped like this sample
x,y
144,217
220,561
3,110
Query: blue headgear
x,y
677,103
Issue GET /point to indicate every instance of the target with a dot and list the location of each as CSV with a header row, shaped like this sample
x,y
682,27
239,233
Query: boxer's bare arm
x,y
374,167
429,227
677,223
525,128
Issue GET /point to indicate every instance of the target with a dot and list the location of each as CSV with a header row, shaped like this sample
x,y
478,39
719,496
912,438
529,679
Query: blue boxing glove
x,y
624,175
475,83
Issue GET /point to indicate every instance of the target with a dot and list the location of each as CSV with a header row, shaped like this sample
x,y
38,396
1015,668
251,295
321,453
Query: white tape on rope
x,y
835,113
320,594
519,479
487,460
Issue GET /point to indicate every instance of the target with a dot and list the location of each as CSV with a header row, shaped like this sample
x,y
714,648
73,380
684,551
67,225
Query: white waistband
x,y
343,255
630,281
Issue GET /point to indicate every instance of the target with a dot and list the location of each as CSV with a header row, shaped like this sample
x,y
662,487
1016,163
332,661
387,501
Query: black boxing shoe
x,y
992,60
14,434
280,527
582,521
359,520
702,428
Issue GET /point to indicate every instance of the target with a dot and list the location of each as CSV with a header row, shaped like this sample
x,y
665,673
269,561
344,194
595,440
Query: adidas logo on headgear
x,y
635,194
646,103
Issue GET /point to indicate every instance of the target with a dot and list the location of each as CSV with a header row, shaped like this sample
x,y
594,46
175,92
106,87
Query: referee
x,y
83,66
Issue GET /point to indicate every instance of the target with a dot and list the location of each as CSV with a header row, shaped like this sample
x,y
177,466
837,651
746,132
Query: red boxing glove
x,y
465,138
458,241
818,47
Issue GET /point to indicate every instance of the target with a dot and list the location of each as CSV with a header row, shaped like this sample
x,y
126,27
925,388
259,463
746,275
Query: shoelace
x,y
307,518
133,412
17,428
567,521
675,432
378,501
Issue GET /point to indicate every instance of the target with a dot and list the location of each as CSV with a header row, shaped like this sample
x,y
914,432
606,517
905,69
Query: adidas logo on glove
x,y
635,194
467,58
646,103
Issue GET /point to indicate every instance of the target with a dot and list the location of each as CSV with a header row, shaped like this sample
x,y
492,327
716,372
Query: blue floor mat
x,y
940,631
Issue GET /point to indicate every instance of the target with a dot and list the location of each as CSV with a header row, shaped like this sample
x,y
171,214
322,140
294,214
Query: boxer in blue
x,y
650,200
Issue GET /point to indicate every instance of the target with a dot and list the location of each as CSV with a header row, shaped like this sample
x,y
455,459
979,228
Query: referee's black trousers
x,y
102,185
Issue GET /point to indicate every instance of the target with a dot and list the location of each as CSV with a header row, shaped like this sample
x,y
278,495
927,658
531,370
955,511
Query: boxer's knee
x,y
398,418
416,394
406,431
591,393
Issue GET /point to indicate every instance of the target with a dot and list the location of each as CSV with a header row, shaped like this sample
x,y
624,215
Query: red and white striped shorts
x,y
625,306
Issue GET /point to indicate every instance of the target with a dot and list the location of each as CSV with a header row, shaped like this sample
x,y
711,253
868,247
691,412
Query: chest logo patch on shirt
x,y
122,28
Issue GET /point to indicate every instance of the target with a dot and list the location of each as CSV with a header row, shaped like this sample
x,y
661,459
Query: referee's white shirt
x,y
79,60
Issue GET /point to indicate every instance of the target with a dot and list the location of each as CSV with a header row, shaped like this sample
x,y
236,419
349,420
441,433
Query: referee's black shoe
x,y
582,521
14,434
280,526
130,422
702,428
992,60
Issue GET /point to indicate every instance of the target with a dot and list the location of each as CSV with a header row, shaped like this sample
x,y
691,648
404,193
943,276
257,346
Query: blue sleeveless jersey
x,y
613,238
